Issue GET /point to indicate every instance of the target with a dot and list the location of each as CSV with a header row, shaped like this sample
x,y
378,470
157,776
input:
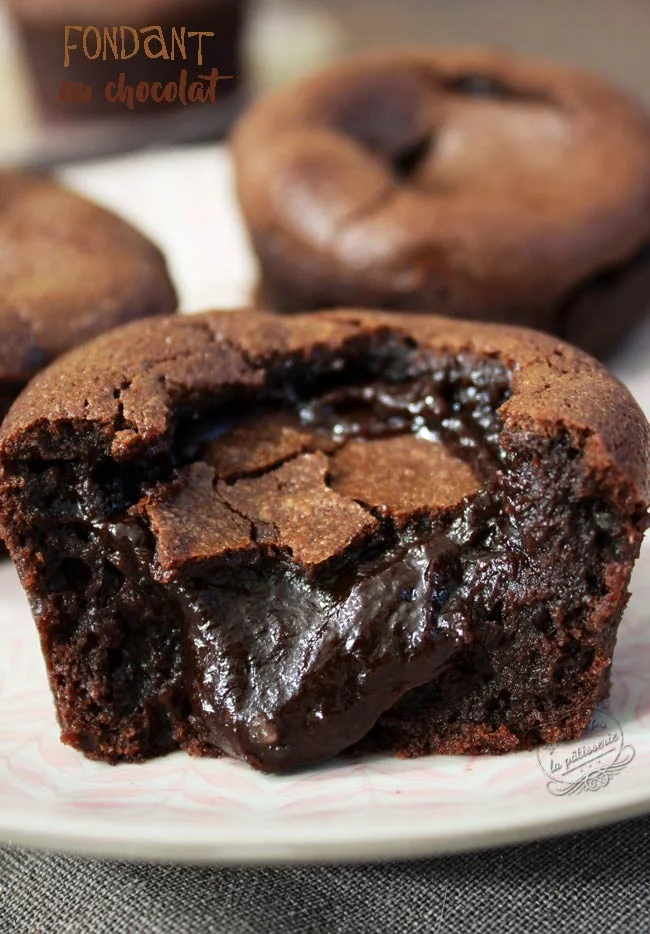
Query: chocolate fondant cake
x,y
469,182
69,270
285,538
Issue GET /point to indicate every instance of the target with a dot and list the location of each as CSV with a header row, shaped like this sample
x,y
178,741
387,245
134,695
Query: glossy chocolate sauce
x,y
291,665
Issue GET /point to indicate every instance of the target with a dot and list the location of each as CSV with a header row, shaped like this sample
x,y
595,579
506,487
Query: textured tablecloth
x,y
587,883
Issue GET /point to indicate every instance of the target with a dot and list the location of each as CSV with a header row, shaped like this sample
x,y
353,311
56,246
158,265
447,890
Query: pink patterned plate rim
x,y
220,811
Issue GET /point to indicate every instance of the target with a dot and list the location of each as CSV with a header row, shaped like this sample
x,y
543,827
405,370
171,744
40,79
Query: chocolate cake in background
x,y
41,27
69,270
469,182
285,538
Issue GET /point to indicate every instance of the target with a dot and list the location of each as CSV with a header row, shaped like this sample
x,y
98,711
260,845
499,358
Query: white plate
x,y
185,809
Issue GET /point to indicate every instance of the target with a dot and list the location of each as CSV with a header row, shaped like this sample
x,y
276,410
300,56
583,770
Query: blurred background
x,y
266,42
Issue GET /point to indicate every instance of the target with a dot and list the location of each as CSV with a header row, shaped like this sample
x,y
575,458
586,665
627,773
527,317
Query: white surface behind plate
x,y
185,201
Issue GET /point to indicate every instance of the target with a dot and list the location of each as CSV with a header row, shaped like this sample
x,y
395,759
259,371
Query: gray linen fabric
x,y
587,883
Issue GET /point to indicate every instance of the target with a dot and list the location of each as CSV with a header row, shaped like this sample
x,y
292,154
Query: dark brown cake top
x,y
496,176
401,475
122,395
68,271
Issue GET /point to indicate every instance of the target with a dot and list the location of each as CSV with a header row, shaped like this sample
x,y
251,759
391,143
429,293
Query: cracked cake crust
x,y
284,538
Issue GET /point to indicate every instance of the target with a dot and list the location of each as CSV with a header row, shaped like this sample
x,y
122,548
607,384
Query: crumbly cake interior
x,y
347,560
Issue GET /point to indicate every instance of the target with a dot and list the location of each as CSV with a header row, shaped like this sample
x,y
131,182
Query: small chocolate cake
x,y
468,182
284,538
69,270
